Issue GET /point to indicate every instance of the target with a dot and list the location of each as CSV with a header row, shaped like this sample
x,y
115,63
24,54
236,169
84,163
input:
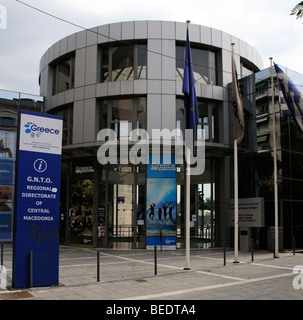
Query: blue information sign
x,y
38,200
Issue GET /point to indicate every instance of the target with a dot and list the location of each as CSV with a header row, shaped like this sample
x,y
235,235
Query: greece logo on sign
x,y
36,131
29,130
40,134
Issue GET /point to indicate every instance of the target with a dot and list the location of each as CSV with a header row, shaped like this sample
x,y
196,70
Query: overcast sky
x,y
264,24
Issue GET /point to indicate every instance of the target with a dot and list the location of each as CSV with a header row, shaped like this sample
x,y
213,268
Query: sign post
x,y
37,200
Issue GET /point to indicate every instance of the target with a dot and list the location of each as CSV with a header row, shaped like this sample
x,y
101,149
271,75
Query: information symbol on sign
x,y
40,165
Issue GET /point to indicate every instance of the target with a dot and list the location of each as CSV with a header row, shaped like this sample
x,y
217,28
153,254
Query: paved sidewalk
x,y
130,275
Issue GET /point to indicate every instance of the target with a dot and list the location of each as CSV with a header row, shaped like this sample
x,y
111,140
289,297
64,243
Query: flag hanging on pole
x,y
292,97
191,122
237,105
190,98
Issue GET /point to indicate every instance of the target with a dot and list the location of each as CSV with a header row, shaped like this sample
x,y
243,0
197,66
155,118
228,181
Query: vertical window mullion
x,y
134,116
209,68
135,62
209,120
110,62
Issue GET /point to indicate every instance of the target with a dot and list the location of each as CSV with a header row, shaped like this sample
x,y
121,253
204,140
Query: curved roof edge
x,y
149,29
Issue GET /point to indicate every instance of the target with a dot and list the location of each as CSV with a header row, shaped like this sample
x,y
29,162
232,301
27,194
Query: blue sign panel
x,y
38,200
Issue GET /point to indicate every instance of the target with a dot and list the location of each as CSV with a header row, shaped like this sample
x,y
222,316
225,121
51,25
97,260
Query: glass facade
x,y
121,206
208,120
123,62
64,75
123,116
204,64
127,78
66,112
203,207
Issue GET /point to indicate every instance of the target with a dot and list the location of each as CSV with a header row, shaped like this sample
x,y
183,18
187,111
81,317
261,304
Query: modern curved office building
x,y
128,76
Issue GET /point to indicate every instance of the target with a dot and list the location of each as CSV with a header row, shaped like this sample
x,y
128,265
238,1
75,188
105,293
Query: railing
x,y
123,231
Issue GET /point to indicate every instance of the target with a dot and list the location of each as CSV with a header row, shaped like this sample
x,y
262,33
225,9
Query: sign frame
x,y
37,196
251,212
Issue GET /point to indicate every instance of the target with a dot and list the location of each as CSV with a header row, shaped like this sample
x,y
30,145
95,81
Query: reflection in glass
x,y
125,62
64,75
204,65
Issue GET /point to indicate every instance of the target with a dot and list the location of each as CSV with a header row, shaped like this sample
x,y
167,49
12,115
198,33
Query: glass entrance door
x,y
123,228
125,206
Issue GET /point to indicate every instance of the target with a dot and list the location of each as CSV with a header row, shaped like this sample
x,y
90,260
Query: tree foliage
x,y
298,10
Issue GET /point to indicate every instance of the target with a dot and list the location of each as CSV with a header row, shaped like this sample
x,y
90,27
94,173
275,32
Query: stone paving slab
x,y
129,274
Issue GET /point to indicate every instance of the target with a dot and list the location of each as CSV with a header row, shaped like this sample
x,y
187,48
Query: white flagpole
x,y
276,252
236,198
236,259
187,210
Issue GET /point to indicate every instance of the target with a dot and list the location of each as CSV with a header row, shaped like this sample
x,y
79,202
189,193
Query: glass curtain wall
x,y
122,196
64,75
66,112
123,116
208,120
202,207
204,64
123,62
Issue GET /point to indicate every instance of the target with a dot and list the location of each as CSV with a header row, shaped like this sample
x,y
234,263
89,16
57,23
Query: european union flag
x,y
190,98
292,96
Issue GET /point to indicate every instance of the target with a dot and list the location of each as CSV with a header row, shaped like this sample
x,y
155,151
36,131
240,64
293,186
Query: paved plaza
x,y
130,275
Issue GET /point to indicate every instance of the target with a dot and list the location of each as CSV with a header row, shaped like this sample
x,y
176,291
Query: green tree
x,y
298,10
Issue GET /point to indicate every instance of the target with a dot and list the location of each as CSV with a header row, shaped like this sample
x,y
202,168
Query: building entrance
x,y
122,213
125,198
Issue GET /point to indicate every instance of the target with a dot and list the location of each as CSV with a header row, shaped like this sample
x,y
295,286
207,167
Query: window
x,y
125,62
123,116
246,70
208,120
67,114
7,122
204,65
64,75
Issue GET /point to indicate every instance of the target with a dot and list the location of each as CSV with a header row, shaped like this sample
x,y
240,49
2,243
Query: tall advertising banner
x,y
161,204
36,227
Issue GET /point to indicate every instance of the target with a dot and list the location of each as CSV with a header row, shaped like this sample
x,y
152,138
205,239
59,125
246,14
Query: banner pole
x,y
187,210
236,200
236,259
276,249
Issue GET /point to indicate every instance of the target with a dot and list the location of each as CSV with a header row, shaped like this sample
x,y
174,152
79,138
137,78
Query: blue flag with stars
x,y
292,97
190,98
